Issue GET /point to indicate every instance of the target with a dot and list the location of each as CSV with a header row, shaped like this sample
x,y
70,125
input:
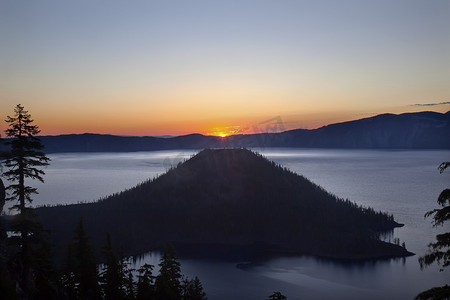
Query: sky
x,y
219,67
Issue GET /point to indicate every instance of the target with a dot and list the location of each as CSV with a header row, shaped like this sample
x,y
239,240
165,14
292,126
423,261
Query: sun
x,y
221,132
226,131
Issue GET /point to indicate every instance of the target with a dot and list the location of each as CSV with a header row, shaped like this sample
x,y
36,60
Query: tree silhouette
x,y
81,272
167,283
45,273
2,195
193,289
277,296
26,265
112,277
197,290
68,276
24,160
436,293
439,251
145,284
7,288
129,284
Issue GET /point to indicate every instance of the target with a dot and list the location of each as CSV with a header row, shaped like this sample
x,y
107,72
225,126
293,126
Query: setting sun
x,y
220,131
220,134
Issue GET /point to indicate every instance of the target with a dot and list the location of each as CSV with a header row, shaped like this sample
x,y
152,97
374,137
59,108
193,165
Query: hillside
x,y
425,130
422,130
229,199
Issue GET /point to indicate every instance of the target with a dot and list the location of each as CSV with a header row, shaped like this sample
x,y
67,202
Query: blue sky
x,y
156,67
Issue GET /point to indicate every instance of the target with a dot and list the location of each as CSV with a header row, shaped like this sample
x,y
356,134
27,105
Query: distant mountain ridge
x,y
423,130
230,201
420,130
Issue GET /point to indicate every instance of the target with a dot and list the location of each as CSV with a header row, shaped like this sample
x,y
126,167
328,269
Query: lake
x,y
404,183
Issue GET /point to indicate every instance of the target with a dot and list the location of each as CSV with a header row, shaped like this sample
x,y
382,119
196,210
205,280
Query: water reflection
x,y
404,183
307,277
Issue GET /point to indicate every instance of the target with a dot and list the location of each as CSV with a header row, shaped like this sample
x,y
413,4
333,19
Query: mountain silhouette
x,y
421,130
424,130
230,201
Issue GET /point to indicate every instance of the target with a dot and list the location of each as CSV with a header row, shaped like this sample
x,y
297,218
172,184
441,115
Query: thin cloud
x,y
430,104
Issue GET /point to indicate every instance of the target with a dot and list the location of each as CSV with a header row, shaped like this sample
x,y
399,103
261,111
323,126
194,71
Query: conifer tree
x,y
145,284
68,277
2,195
24,160
185,288
193,289
439,251
277,296
45,274
197,290
168,285
112,277
81,265
129,284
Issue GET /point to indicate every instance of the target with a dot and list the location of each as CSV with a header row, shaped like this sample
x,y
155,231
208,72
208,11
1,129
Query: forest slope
x,y
230,198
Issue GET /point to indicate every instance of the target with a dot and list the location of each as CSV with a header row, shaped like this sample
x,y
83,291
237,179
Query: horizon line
x,y
169,136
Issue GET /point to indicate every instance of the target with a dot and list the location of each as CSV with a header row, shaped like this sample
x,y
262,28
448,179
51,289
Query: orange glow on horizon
x,y
151,123
225,131
220,134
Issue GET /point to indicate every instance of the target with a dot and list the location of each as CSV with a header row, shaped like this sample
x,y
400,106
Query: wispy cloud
x,y
430,104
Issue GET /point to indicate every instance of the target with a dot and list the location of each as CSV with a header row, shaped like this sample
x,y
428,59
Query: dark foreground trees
x,y
81,278
193,289
113,276
146,283
7,288
30,265
439,251
168,282
26,265
80,273
277,296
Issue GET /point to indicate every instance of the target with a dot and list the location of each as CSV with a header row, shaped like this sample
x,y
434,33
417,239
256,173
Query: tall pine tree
x,y
439,251
193,289
129,284
69,277
80,271
145,286
168,285
113,275
24,160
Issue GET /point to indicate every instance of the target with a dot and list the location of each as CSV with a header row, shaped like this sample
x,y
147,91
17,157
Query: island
x,y
229,203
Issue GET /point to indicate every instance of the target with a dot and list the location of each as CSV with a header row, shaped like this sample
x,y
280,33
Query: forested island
x,y
229,203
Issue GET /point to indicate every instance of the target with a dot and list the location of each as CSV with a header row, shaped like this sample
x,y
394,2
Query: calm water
x,y
404,183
